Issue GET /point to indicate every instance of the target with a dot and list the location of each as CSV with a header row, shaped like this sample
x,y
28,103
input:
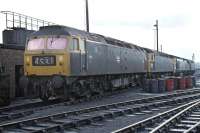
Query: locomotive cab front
x,y
46,56
46,64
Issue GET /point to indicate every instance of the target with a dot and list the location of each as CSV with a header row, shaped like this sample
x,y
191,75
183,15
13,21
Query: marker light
x,y
60,60
27,61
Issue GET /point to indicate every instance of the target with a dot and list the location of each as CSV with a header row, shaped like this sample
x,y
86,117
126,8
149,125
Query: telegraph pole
x,y
156,25
193,57
161,47
87,16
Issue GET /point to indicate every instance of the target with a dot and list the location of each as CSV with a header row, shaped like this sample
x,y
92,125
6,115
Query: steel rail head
x,y
167,123
29,105
137,125
192,128
48,117
178,93
18,107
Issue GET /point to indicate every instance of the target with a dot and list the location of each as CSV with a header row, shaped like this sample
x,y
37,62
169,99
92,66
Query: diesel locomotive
x,y
61,61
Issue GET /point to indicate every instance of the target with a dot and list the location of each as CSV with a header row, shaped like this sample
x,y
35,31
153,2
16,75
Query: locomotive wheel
x,y
46,91
43,94
77,89
87,91
101,89
97,89
44,98
67,93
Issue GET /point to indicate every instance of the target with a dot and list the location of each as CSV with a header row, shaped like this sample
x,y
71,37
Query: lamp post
x,y
87,16
161,47
156,25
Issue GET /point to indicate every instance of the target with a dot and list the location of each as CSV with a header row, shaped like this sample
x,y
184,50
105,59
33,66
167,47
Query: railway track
x,y
183,119
69,120
20,111
188,120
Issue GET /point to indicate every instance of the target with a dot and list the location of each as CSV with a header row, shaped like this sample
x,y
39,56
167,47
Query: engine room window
x,y
56,43
36,44
75,44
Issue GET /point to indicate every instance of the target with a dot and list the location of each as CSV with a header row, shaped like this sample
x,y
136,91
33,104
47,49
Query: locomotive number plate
x,y
44,60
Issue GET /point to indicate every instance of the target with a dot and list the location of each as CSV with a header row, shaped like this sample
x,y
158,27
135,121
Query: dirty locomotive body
x,y
65,62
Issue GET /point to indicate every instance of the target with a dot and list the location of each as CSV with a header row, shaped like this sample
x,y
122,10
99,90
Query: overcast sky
x,y
128,20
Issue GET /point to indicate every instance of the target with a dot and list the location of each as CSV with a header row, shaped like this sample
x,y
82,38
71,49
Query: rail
x,y
87,116
143,125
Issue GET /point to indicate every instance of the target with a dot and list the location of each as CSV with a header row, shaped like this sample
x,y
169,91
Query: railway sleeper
x,y
183,126
72,121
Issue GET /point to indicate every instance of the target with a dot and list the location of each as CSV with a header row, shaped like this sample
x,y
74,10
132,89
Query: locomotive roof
x,y
50,30
65,30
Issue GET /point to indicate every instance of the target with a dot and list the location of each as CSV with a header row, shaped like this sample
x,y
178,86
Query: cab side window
x,y
75,44
82,45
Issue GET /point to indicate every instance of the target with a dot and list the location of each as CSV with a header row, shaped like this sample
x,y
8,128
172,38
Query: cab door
x,y
83,56
77,57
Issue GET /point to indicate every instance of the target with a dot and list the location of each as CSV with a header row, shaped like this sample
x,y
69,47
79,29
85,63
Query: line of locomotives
x,y
60,61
